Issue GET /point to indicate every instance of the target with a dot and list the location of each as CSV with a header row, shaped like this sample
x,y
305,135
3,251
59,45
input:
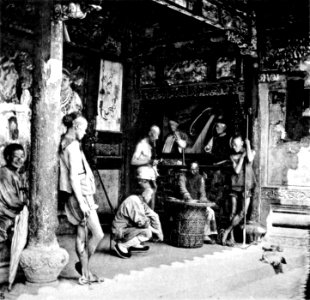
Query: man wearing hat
x,y
218,145
176,141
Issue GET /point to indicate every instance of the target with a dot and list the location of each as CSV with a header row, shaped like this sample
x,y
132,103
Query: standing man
x,y
145,156
176,141
218,145
192,187
242,185
77,183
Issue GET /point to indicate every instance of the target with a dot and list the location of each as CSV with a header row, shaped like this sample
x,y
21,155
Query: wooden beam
x,y
188,13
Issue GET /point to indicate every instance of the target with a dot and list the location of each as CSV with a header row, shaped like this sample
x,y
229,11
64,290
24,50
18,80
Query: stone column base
x,y
42,264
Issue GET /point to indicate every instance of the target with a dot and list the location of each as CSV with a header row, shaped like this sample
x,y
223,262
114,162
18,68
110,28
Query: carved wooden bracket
x,y
195,90
232,16
290,58
245,37
229,15
239,24
74,10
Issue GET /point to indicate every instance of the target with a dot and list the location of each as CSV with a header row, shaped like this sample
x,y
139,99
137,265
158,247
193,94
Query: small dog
x,y
272,256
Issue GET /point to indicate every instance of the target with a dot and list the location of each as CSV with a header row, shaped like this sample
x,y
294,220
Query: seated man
x,y
135,222
12,199
192,187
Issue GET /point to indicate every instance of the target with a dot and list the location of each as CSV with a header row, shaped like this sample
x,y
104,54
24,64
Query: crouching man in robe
x,y
134,223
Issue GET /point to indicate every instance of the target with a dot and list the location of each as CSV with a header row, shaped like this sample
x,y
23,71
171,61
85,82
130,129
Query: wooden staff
x,y
245,187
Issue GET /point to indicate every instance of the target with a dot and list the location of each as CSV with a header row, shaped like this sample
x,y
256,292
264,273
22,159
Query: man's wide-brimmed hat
x,y
66,72
173,122
221,119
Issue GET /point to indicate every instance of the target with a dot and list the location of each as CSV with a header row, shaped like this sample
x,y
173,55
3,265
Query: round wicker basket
x,y
186,221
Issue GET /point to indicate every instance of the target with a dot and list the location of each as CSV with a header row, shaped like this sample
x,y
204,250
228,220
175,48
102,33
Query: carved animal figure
x,y
255,232
8,79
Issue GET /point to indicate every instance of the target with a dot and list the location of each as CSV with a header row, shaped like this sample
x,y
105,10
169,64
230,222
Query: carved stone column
x,y
43,259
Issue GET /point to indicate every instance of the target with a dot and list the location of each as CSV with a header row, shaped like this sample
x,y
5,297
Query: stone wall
x,y
284,167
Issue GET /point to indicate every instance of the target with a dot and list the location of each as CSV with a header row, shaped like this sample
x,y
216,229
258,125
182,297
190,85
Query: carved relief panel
x,y
15,100
285,132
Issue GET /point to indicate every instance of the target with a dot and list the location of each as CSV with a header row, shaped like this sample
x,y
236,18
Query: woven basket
x,y
187,222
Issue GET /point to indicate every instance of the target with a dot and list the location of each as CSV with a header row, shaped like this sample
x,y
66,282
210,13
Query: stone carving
x,y
24,66
286,196
288,140
287,58
15,113
43,264
14,71
288,241
8,79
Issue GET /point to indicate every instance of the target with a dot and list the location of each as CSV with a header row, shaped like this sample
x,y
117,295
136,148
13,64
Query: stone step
x,y
292,217
212,275
288,237
288,285
221,272
244,272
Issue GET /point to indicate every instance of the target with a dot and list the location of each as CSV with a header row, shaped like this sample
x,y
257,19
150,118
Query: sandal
x,y
229,244
82,280
220,236
224,236
96,279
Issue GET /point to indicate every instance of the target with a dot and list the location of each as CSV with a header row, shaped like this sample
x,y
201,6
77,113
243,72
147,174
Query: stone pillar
x,y
43,259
